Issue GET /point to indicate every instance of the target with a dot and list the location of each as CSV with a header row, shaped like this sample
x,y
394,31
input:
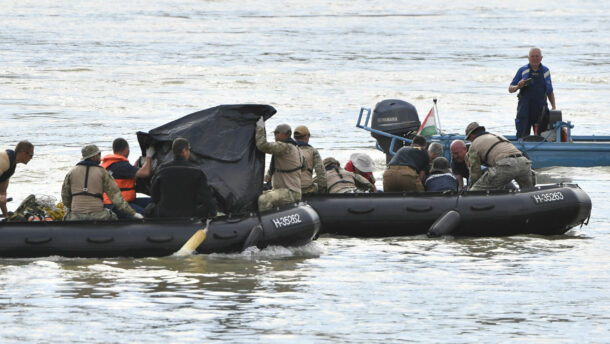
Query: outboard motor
x,y
544,129
547,120
394,117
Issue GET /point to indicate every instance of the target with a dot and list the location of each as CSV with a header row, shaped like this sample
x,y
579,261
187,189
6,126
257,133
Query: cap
x,y
330,161
472,127
283,128
363,162
89,151
301,131
440,164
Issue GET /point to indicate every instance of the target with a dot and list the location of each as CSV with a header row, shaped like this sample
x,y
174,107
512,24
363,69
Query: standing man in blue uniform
x,y
534,82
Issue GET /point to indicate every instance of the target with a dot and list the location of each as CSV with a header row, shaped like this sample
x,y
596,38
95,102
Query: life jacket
x,y
492,148
307,171
80,181
127,186
339,179
286,170
8,173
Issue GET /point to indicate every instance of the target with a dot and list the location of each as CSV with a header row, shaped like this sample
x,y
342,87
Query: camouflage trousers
x,y
312,189
102,215
401,178
276,197
503,172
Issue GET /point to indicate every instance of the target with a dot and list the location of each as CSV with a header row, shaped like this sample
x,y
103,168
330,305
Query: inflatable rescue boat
x,y
288,226
544,210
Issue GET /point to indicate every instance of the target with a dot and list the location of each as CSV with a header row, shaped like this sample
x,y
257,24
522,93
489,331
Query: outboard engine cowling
x,y
395,117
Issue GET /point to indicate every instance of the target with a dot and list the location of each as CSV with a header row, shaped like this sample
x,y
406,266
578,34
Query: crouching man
x,y
84,186
342,181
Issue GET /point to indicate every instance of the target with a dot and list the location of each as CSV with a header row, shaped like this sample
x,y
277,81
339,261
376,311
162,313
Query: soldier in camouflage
x,y
342,181
503,160
312,162
286,166
83,187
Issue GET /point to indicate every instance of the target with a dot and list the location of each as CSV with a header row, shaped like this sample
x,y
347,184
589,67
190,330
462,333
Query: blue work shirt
x,y
438,181
532,98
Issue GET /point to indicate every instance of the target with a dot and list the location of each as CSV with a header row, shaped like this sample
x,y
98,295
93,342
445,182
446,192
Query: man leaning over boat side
x,y
408,168
22,154
83,187
312,162
435,150
534,82
285,168
504,161
361,164
180,187
458,162
125,174
342,181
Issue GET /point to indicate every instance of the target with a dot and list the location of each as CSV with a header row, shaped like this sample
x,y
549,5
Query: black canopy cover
x,y
223,145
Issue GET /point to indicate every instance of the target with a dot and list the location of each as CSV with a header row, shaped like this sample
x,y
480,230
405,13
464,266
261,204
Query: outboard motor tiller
x,y
394,117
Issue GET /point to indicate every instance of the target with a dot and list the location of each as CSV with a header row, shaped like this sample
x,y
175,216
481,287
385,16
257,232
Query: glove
x,y
138,216
260,123
150,151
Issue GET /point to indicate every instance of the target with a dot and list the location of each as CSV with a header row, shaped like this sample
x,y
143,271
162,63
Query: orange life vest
x,y
127,186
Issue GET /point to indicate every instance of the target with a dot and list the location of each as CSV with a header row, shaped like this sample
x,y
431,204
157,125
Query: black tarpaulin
x,y
222,144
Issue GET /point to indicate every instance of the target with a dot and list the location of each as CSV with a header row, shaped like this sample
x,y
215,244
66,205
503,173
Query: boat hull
x,y
545,210
155,237
584,151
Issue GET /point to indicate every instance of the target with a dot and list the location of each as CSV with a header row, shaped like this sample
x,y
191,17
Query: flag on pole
x,y
428,126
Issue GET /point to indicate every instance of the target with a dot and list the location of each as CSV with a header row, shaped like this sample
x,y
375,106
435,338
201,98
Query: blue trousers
x,y
138,205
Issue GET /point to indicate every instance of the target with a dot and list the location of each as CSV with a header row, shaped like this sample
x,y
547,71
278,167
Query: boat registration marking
x,y
548,197
286,221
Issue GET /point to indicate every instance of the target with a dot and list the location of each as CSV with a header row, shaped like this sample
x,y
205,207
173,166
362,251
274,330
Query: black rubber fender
x,y
445,224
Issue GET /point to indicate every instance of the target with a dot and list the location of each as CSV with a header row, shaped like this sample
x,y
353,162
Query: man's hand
x,y
150,151
260,123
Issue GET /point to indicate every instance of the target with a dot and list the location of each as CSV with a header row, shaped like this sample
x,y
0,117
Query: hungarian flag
x,y
428,126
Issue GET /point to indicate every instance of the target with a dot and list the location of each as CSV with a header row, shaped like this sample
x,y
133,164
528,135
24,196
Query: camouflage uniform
x,y
505,162
342,181
312,162
87,206
276,197
286,185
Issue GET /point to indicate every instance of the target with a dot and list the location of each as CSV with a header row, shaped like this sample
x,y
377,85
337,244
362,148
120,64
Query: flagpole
x,y
436,116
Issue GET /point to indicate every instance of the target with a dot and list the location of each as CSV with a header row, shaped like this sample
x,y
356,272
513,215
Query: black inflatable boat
x,y
545,210
288,226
